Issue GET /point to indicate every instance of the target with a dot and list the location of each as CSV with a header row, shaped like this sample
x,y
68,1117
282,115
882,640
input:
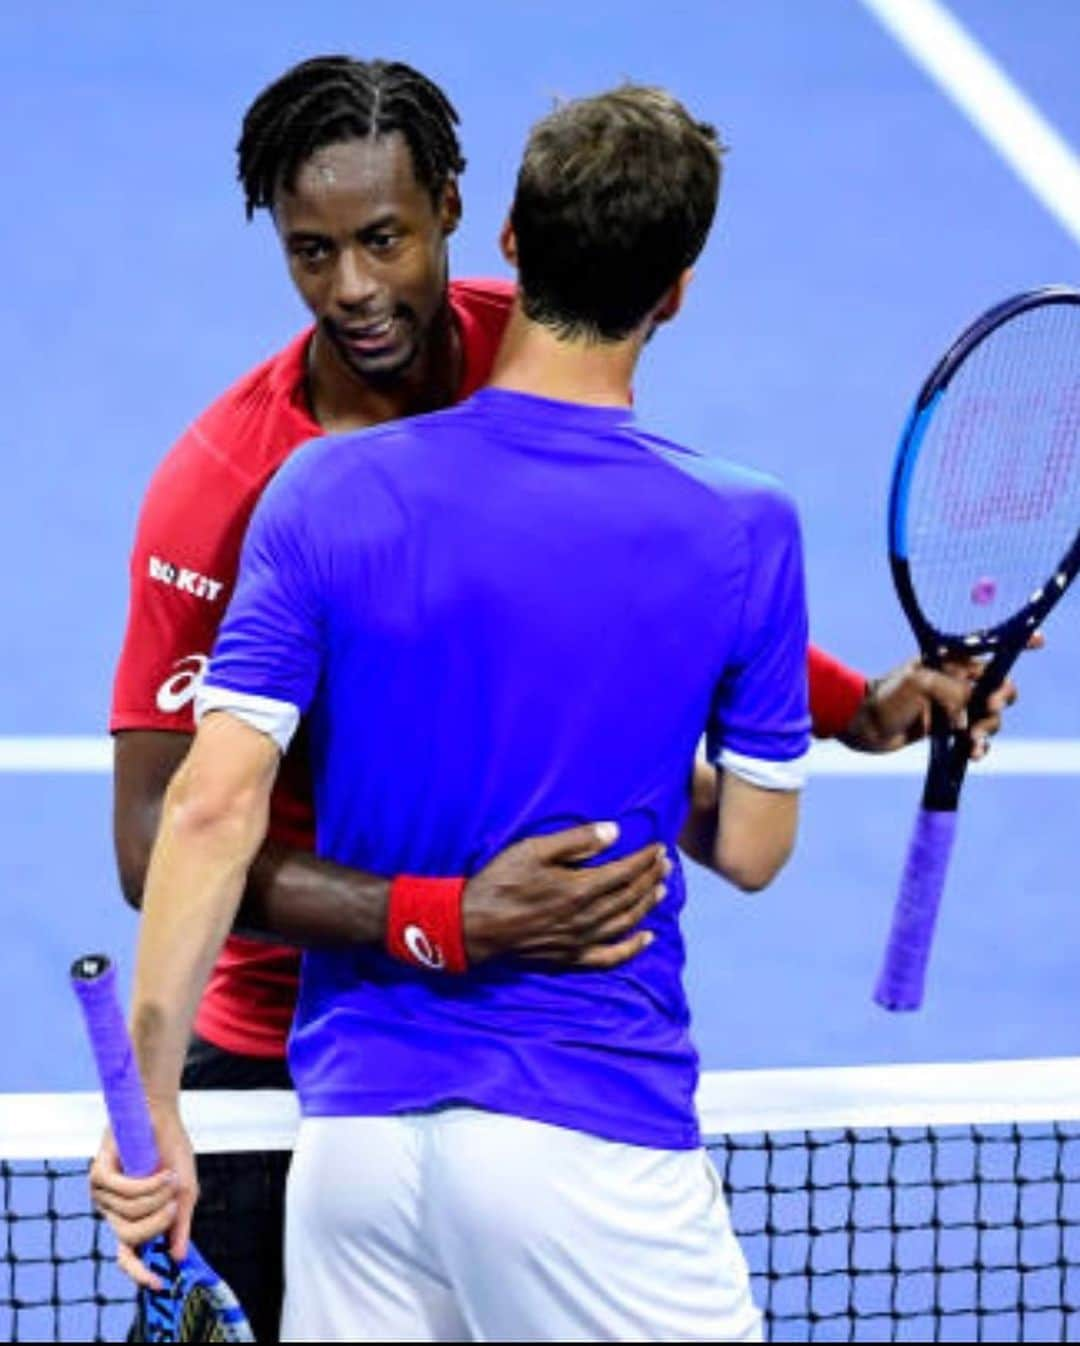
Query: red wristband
x,y
424,925
836,693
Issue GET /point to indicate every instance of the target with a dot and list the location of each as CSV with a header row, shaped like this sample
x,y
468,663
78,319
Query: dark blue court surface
x,y
863,222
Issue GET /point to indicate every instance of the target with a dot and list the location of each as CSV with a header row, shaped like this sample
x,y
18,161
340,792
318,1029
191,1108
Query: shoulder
x,y
219,465
257,418
482,297
339,484
755,498
324,476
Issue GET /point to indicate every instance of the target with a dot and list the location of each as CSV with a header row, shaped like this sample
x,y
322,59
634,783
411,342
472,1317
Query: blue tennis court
x,y
864,220
866,217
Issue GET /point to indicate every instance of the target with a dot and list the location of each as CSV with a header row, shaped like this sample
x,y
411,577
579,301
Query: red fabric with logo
x,y
424,925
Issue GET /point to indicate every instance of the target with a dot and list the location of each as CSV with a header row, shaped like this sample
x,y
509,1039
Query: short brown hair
x,y
614,200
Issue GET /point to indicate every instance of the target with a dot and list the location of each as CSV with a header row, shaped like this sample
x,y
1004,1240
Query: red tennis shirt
x,y
183,567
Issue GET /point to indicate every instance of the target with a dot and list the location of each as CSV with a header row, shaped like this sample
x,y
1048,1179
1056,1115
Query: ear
x,y
672,302
508,242
450,207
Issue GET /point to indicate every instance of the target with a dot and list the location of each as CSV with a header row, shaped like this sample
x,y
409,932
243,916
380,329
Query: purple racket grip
x,y
903,974
93,979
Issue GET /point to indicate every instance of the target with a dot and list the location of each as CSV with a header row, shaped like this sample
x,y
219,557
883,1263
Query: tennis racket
x,y
984,539
194,1304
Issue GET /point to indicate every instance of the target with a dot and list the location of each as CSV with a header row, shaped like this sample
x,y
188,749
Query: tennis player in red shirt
x,y
358,163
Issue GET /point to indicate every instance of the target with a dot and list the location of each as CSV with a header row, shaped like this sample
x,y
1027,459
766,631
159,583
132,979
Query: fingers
x,y
575,843
110,1185
948,690
608,932
616,914
181,1229
649,862
137,1230
137,1209
141,1209
132,1265
134,1206
988,725
603,957
999,701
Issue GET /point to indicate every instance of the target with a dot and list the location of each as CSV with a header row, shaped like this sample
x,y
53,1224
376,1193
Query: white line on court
x,y
988,98
46,755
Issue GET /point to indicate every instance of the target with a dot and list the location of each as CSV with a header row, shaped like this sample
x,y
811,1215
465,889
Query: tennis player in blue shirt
x,y
502,1153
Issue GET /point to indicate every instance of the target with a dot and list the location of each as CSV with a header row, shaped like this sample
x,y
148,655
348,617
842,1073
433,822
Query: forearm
x,y
290,896
293,897
755,832
742,833
194,885
698,836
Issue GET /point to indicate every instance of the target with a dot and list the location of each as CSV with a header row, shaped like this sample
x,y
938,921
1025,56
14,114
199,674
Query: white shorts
x,y
463,1225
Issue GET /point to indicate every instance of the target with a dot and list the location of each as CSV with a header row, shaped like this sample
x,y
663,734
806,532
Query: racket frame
x,y
900,984
950,748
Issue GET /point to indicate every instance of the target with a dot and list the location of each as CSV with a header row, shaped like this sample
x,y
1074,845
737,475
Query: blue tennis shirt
x,y
513,616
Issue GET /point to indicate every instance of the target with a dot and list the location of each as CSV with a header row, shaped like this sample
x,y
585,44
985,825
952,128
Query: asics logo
x,y
187,581
181,685
422,949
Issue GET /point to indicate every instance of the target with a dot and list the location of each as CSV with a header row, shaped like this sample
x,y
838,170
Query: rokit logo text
x,y
187,581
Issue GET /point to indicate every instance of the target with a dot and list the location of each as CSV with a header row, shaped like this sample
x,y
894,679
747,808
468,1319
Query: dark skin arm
x,y
532,900
894,713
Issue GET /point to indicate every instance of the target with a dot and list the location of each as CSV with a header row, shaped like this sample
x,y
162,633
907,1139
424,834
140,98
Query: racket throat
x,y
950,750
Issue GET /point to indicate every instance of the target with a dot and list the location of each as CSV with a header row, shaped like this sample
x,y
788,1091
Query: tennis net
x,y
902,1203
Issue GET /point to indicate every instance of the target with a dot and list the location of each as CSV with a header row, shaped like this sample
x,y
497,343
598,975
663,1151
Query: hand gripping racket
x,y
984,539
195,1304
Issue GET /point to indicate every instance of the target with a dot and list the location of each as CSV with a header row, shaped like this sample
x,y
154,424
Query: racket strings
x,y
995,494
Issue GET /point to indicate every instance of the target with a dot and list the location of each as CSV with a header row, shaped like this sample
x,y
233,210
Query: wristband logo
x,y
181,685
422,949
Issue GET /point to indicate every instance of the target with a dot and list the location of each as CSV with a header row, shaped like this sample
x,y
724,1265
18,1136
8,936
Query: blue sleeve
x,y
268,656
760,721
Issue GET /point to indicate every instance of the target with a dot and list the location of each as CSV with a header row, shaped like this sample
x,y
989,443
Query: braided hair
x,y
332,98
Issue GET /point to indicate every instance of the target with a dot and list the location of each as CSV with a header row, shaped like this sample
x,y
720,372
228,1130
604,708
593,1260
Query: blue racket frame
x,y
901,983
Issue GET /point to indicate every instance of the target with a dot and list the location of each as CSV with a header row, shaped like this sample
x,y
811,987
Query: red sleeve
x,y
183,567
836,693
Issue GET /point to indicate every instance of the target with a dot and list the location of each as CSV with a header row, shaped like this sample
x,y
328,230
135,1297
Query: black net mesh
x,y
914,1234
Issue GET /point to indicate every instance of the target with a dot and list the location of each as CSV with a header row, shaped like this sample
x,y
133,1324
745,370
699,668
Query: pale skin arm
x,y
895,712
213,821
740,831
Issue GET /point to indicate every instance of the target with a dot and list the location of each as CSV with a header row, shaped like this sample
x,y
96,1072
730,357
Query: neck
x,y
532,359
340,399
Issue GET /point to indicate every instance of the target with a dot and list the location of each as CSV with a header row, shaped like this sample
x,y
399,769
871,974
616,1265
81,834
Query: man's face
x,y
366,247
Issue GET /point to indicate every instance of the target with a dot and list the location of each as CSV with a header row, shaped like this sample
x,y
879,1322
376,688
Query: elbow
x,y
753,870
749,879
199,810
132,890
132,862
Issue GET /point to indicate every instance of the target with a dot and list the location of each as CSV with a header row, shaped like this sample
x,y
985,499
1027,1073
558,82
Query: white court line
x,y
55,755
988,98
46,755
